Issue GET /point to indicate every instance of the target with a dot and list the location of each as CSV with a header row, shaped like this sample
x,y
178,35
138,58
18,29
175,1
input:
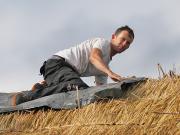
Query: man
x,y
63,70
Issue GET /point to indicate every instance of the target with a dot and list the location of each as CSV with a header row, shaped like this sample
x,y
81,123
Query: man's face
x,y
122,41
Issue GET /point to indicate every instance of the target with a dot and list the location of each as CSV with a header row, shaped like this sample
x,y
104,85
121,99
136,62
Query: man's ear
x,y
113,36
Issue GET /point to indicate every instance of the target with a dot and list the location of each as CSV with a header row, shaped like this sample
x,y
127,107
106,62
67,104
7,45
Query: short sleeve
x,y
99,44
101,79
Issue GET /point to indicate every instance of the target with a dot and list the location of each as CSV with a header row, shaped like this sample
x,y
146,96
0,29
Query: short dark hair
x,y
125,28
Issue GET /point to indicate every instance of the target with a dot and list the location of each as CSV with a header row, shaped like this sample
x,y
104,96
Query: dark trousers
x,y
59,76
58,72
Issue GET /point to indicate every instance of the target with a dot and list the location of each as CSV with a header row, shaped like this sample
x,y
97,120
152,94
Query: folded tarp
x,y
71,99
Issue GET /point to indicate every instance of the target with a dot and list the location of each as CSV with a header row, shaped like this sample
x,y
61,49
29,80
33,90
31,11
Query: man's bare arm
x,y
96,59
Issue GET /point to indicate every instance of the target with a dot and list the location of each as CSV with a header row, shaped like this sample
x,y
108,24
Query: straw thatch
x,y
149,108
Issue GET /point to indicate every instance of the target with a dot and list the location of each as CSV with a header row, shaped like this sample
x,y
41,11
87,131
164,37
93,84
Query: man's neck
x,y
112,51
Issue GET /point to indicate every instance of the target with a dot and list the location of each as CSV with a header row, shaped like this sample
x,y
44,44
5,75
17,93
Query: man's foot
x,y
13,99
17,98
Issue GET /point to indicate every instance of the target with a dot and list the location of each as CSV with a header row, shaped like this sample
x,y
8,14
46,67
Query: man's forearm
x,y
96,59
100,65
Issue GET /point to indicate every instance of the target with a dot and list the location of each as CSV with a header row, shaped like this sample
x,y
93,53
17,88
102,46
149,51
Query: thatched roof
x,y
149,108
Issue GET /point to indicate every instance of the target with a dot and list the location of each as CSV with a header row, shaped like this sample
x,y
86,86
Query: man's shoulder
x,y
93,42
103,42
95,39
99,39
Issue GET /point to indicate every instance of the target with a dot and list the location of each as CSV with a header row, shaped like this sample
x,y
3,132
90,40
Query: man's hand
x,y
115,77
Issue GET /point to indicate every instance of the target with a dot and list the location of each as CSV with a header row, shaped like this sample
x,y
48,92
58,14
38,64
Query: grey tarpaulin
x,y
68,100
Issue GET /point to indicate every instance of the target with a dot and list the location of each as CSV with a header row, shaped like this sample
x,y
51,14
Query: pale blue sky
x,y
32,30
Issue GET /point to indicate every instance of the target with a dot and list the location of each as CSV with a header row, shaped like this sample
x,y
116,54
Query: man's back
x,y
78,56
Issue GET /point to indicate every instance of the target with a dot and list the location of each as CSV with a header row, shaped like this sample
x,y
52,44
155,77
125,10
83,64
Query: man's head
x,y
121,39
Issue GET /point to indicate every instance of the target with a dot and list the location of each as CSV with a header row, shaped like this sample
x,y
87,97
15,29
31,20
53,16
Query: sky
x,y
31,31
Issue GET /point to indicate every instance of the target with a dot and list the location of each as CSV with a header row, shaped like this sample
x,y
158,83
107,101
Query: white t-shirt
x,y
78,57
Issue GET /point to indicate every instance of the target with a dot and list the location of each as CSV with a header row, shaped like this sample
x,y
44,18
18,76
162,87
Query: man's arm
x,y
96,59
